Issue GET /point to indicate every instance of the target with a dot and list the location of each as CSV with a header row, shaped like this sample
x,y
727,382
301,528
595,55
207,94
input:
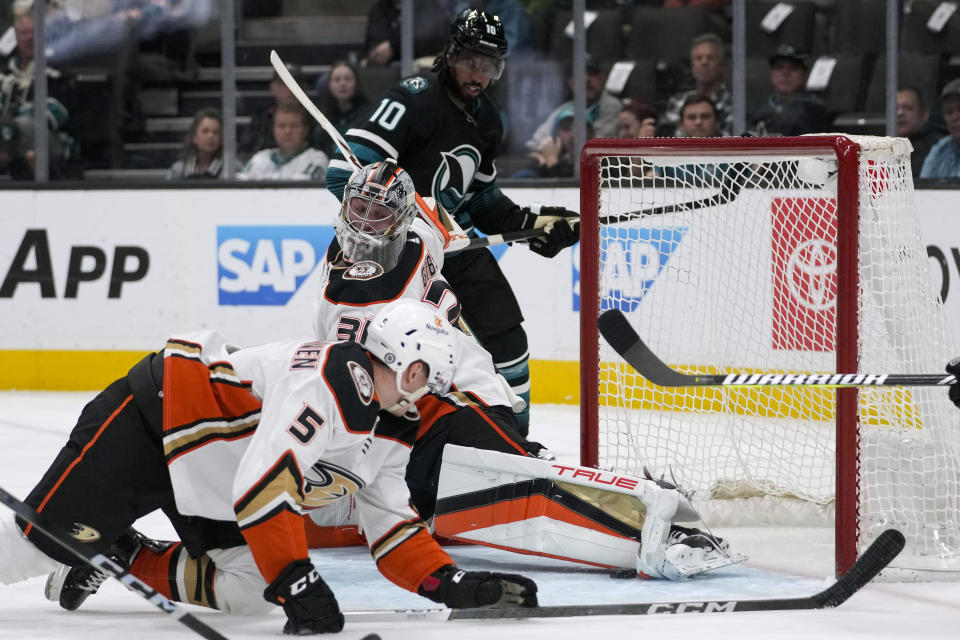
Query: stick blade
x,y
616,330
877,556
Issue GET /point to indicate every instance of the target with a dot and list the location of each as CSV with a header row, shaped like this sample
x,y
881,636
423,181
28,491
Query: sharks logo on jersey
x,y
454,176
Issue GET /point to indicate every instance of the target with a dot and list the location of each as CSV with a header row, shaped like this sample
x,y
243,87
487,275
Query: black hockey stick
x,y
729,190
877,556
106,565
616,330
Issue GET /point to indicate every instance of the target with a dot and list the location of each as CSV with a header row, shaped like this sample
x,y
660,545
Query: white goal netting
x,y
733,261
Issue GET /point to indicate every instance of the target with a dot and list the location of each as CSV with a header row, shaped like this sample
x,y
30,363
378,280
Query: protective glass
x,y
478,64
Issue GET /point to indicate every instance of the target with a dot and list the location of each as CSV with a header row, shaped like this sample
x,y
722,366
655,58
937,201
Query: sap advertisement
x,y
121,270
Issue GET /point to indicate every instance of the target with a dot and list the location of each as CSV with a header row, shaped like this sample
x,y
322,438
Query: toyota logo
x,y
810,274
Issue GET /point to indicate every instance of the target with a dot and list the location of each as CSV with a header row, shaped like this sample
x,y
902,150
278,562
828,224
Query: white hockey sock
x,y
19,558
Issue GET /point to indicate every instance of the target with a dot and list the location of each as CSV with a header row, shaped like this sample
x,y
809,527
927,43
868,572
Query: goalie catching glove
x,y
460,589
306,599
561,229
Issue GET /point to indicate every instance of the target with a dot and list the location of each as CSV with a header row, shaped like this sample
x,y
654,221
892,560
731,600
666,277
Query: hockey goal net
x,y
772,255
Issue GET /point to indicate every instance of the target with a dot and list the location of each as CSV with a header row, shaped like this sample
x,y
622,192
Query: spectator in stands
x,y
516,22
637,119
943,161
259,133
292,158
708,66
555,157
383,30
913,123
13,166
602,108
698,118
790,110
341,99
202,154
16,100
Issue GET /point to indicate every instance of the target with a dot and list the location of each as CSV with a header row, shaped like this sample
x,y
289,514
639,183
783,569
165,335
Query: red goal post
x,y
707,245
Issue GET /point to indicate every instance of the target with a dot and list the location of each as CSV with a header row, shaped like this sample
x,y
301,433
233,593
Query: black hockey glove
x,y
460,589
561,229
306,599
953,367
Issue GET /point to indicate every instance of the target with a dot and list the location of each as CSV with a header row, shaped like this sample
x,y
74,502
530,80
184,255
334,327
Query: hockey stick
x,y
459,240
877,556
106,565
312,109
729,190
617,331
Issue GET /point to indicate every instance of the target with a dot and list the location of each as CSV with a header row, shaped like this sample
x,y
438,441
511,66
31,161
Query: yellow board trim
x,y
64,370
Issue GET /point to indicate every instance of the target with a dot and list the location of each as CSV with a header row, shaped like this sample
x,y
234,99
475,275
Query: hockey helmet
x,y
407,331
379,203
475,31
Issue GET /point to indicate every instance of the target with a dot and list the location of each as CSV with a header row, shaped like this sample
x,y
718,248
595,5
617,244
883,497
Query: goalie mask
x,y
379,203
408,331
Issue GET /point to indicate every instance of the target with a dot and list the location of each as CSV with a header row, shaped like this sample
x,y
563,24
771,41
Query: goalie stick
x,y
616,330
106,565
877,556
459,241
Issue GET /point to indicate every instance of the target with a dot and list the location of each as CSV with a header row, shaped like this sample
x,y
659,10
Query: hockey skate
x,y
70,586
690,552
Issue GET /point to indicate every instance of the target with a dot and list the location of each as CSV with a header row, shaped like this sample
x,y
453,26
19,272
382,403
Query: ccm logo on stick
x,y
32,264
693,607
599,477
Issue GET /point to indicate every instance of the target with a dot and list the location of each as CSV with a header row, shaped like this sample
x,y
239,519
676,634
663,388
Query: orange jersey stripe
x,y
191,396
431,409
277,542
409,564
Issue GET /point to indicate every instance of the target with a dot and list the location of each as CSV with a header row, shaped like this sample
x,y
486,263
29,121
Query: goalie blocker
x,y
546,508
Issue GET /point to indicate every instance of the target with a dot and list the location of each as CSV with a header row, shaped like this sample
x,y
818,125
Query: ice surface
x,y
783,562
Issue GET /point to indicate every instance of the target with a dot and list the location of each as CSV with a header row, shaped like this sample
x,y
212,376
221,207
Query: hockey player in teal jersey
x,y
445,130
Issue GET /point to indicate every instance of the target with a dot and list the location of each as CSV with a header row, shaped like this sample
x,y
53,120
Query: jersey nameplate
x,y
362,381
365,270
415,85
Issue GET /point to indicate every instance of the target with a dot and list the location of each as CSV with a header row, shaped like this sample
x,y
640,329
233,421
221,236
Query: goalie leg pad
x,y
540,507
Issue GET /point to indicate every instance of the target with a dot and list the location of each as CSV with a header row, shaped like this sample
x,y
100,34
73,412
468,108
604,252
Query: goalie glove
x,y
460,589
561,229
953,367
306,599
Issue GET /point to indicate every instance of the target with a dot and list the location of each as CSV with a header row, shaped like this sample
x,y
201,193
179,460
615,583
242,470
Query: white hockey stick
x,y
312,109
